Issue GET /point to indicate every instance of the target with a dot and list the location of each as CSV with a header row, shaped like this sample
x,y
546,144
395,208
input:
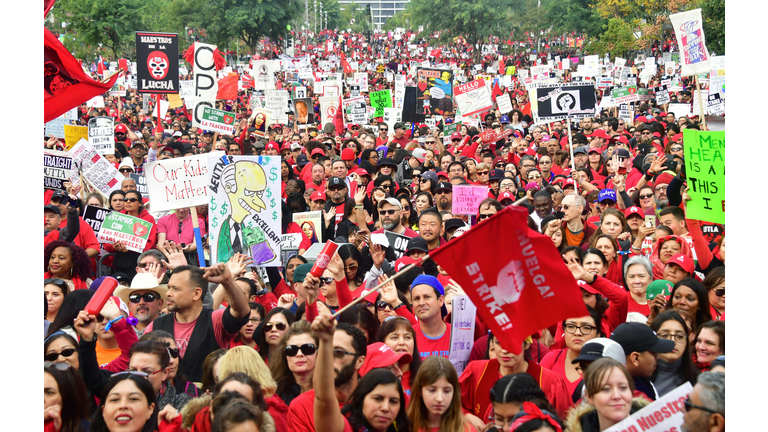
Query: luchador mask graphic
x,y
157,63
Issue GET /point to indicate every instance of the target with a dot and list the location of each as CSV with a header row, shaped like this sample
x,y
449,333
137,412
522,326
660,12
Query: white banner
x,y
665,414
694,56
328,108
463,315
179,182
206,84
101,134
504,103
99,171
245,208
263,75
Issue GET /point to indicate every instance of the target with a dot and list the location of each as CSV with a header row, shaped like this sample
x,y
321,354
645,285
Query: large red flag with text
x,y
65,84
514,275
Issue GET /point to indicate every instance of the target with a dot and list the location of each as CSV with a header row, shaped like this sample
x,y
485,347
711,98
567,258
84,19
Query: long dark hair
x,y
73,303
138,195
75,405
259,332
366,385
349,251
703,314
81,263
687,370
97,422
359,316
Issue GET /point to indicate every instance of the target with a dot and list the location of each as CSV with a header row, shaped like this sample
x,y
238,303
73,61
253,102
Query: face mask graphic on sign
x,y
157,63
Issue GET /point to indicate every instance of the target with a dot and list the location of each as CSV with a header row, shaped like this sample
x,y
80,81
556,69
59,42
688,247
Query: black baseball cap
x,y
638,337
53,208
336,181
454,223
58,195
444,185
416,244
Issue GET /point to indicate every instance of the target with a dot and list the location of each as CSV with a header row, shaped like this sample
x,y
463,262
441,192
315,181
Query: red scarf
x,y
614,272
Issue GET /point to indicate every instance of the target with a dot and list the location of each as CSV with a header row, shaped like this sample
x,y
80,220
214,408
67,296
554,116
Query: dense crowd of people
x,y
205,346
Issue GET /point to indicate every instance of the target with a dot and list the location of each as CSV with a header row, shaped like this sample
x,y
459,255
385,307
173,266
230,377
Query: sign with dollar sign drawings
x,y
244,213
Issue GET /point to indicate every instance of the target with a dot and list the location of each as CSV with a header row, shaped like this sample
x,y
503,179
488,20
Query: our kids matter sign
x,y
244,213
179,182
705,169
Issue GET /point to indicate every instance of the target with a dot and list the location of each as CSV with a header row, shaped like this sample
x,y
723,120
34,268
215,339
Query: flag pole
x,y
701,103
570,147
388,280
106,80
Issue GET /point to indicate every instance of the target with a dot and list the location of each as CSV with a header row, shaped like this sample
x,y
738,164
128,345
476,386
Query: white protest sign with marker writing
x,y
187,92
666,414
180,182
473,97
504,103
463,315
101,134
95,102
277,101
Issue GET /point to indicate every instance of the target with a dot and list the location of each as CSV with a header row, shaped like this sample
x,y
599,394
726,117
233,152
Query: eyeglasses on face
x,y
585,329
676,149
642,197
677,337
255,321
279,326
306,349
483,216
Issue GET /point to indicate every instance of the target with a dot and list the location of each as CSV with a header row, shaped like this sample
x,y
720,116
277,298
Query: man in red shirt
x,y
390,213
433,335
399,137
349,354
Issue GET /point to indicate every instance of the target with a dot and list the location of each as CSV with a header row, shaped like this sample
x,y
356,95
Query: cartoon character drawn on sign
x,y
245,183
444,104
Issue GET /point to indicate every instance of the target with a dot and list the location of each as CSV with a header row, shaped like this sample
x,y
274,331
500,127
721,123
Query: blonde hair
x,y
245,359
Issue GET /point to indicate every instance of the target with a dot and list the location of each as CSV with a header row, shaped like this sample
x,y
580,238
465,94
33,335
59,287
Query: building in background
x,y
381,10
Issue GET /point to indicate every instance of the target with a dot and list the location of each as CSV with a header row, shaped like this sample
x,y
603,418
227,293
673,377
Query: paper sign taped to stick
x,y
57,168
463,316
133,232
311,224
101,134
218,121
705,169
73,135
99,171
277,102
467,199
290,242
179,182
665,414
244,213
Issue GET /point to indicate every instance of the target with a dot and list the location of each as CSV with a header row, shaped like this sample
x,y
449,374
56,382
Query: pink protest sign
x,y
467,199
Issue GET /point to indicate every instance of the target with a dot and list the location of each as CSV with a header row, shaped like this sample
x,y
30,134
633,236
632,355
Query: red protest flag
x,y
496,91
228,87
519,286
47,4
526,109
65,84
345,64
435,52
501,65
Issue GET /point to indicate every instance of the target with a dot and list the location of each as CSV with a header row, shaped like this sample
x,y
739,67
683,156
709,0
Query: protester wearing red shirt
x,y
433,335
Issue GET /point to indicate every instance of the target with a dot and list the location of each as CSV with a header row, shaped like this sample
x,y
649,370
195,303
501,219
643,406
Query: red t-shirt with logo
x,y
438,346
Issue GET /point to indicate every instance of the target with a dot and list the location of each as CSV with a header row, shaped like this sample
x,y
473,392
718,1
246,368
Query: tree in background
x,y
713,14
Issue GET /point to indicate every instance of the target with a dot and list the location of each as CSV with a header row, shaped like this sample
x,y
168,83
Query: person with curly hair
x,y
69,262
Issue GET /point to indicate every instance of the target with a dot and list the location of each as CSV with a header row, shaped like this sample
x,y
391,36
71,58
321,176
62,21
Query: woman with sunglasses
x,y
243,359
125,260
293,361
55,291
61,347
128,403
715,285
272,330
676,367
65,397
644,198
69,262
352,259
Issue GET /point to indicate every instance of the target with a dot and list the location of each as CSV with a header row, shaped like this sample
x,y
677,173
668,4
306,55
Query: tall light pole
x,y
326,20
321,16
314,9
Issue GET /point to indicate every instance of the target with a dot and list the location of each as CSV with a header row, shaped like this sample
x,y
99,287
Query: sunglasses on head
x,y
61,283
67,352
279,326
148,297
306,349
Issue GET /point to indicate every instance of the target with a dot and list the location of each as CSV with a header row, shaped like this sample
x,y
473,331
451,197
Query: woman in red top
x,y
436,401
638,273
397,333
67,261
715,284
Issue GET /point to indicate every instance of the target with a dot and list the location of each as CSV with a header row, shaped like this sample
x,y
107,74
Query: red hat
x,y
622,139
587,287
663,114
347,154
600,133
595,149
444,174
634,210
286,146
362,172
379,355
678,137
569,182
663,178
683,261
401,263
506,195
317,196
316,151
641,119
272,146
456,135
121,128
657,135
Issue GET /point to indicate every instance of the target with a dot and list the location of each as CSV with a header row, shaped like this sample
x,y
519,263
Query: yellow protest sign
x,y
73,134
174,99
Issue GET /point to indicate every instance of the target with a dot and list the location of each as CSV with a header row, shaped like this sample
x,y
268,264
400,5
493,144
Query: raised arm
x,y
328,416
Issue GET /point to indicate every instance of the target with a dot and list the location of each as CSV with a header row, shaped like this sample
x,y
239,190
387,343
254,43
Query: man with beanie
x,y
641,347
